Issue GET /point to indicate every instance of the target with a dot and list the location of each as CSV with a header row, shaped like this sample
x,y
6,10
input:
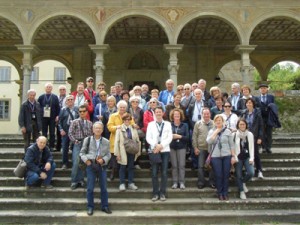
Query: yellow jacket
x,y
114,121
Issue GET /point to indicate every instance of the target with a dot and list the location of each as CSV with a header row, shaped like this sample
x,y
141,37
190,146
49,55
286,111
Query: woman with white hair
x,y
115,121
138,93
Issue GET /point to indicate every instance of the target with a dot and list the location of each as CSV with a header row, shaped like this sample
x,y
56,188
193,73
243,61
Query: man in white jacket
x,y
159,136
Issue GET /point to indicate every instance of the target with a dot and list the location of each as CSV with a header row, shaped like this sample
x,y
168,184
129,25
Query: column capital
x,y
244,48
28,49
173,48
100,48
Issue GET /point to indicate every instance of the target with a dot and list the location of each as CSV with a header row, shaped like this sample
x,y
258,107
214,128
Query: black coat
x,y
273,119
32,158
63,119
53,102
257,124
25,116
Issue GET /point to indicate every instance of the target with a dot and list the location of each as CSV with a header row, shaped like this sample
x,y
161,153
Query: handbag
x,y
21,169
131,146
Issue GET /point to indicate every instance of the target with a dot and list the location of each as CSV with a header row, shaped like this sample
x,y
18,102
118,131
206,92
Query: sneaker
x,y
162,197
182,186
82,184
174,186
64,167
245,188
260,175
48,186
154,198
137,167
243,195
132,186
122,187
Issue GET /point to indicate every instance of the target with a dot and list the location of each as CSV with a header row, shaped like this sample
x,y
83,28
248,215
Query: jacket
x,y
114,121
200,133
97,111
32,158
53,102
119,144
237,142
273,119
152,135
64,117
163,96
147,118
90,153
182,130
190,113
169,108
241,105
90,107
257,125
25,116
264,105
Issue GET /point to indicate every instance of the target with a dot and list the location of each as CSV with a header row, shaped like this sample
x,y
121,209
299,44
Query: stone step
x,y
146,182
191,217
267,171
146,164
145,193
137,204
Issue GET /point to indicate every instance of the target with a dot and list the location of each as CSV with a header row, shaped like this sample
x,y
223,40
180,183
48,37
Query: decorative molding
x,y
173,14
28,15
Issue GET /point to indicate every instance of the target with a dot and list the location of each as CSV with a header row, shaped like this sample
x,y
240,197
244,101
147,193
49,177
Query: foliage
x,y
282,77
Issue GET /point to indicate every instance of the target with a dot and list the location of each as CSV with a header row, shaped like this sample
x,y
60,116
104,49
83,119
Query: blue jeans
x,y
76,174
201,162
33,177
164,174
221,167
239,172
96,171
65,149
130,166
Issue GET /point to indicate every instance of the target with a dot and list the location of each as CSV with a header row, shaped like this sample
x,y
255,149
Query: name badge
x,y
47,111
33,116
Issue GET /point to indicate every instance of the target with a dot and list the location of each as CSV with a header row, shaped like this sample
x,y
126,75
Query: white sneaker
x,y
174,186
132,187
122,187
245,188
137,167
243,195
260,175
182,186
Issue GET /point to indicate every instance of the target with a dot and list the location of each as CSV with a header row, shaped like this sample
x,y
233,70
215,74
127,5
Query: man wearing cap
x,y
265,100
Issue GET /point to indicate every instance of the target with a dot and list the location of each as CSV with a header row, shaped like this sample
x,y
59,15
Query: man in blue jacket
x,y
166,96
40,164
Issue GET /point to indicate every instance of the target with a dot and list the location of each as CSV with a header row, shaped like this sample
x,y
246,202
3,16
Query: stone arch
x,y
14,63
53,57
279,59
139,13
77,14
216,14
259,68
16,22
272,14
143,60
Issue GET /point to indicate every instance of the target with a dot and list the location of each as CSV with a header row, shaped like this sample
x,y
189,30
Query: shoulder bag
x,y
131,146
21,169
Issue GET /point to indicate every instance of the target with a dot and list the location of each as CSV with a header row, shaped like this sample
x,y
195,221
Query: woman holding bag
x,y
222,155
125,158
244,150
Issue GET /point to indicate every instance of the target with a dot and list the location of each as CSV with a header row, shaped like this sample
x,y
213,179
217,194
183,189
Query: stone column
x,y
99,66
246,68
28,52
173,67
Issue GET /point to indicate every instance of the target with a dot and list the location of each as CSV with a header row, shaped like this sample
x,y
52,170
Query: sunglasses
x,y
180,89
102,95
70,99
91,81
83,111
186,89
227,106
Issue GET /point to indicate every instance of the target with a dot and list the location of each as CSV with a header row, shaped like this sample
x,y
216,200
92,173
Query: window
x,y
5,73
59,75
35,75
4,109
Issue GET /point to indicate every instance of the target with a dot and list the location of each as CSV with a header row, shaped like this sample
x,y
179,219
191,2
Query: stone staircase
x,y
275,199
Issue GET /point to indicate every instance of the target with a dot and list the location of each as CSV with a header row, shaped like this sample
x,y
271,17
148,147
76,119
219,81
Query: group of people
x,y
101,130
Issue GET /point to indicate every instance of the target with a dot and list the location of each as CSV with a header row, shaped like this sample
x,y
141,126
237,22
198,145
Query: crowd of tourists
x,y
217,132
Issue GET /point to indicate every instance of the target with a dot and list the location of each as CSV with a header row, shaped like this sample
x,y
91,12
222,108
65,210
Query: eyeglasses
x,y
127,119
186,89
91,81
179,89
135,101
70,99
152,102
102,95
100,88
62,89
227,106
82,111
